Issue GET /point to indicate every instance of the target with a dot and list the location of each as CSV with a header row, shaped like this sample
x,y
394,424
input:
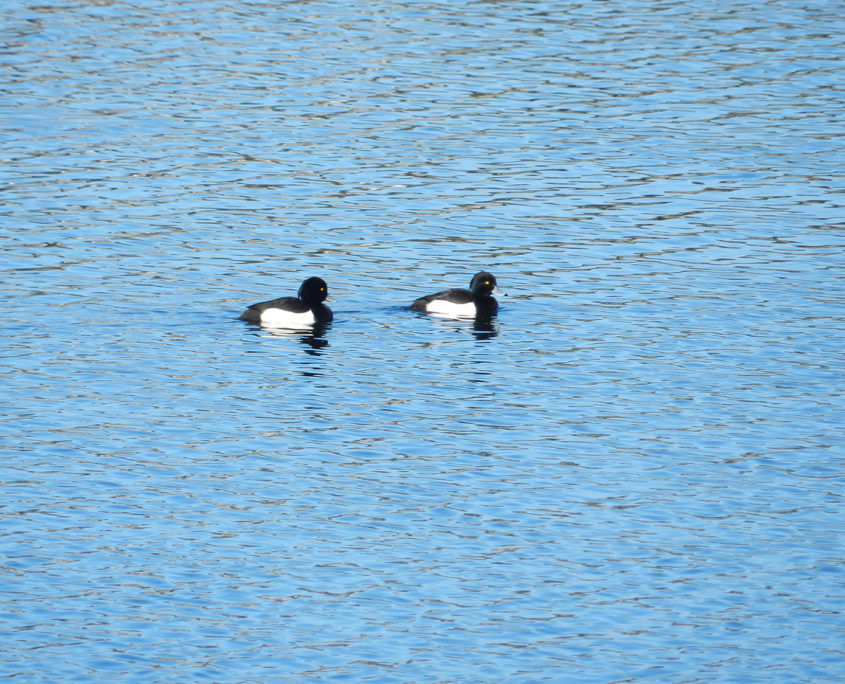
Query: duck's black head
x,y
483,284
313,291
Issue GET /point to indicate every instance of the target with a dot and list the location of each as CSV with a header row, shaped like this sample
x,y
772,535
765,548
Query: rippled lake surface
x,y
634,472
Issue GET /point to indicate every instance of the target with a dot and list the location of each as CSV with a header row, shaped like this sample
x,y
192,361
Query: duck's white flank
x,y
444,307
279,318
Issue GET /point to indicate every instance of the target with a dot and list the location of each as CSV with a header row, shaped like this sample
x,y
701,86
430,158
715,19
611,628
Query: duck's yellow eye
x,y
486,282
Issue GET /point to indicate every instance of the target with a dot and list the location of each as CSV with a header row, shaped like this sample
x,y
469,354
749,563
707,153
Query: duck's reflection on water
x,y
485,327
313,338
482,327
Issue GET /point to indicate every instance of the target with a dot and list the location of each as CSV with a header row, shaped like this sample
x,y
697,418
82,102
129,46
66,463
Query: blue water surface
x,y
633,472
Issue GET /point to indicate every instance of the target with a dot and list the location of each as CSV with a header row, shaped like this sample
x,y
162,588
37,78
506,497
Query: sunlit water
x,y
635,471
